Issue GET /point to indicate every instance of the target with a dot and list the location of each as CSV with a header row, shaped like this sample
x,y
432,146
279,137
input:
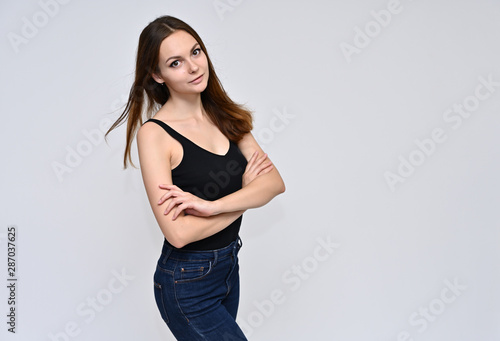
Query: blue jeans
x,y
197,293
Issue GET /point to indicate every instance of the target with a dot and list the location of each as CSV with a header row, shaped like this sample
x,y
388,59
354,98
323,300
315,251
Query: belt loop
x,y
166,255
216,256
240,242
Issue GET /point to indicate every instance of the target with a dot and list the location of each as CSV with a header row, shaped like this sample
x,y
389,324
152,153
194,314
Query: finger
x,y
174,215
259,164
170,205
254,156
266,169
262,159
263,165
253,162
179,209
174,202
167,186
164,198
170,194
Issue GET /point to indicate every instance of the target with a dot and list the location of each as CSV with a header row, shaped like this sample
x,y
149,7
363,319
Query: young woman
x,y
202,168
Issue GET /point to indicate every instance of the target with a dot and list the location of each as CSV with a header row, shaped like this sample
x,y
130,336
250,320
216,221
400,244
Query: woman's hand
x,y
193,205
256,166
185,201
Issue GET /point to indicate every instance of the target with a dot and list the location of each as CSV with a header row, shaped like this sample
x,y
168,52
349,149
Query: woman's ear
x,y
157,78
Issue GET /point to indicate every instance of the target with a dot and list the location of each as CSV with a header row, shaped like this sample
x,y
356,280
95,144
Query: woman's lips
x,y
197,80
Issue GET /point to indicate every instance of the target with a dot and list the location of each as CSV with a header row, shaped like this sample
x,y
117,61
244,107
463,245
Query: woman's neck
x,y
184,107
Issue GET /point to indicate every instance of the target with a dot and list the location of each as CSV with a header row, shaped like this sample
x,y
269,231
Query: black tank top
x,y
208,176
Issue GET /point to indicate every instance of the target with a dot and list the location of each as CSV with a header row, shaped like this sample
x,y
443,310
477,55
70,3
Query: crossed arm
x,y
184,218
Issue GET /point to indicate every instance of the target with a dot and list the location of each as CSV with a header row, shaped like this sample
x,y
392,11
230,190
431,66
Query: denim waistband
x,y
173,253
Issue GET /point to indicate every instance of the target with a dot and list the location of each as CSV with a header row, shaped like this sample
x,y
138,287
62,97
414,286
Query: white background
x,y
333,123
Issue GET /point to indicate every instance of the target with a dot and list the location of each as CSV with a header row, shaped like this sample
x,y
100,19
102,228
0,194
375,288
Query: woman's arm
x,y
155,147
262,182
259,191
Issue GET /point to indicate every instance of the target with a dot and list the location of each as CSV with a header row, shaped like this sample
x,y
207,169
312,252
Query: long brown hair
x,y
231,118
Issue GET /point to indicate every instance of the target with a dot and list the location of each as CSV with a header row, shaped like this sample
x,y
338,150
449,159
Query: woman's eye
x,y
175,63
197,51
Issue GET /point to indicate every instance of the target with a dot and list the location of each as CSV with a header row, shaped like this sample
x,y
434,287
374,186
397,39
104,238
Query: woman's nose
x,y
193,67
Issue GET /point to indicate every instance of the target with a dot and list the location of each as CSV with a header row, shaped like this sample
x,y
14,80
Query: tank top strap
x,y
170,131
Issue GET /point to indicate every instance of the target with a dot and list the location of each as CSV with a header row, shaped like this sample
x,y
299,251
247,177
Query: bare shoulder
x,y
153,142
151,136
149,131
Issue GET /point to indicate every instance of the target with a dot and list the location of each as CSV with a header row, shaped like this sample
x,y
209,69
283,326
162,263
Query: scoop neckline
x,y
200,147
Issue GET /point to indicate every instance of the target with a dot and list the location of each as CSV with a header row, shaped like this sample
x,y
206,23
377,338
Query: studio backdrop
x,y
382,116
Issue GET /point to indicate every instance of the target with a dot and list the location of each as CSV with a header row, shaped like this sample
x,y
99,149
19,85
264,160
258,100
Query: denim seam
x,y
164,310
178,304
234,257
182,312
165,270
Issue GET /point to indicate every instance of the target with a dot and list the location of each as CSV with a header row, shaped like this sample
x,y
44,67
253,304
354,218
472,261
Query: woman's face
x,y
183,65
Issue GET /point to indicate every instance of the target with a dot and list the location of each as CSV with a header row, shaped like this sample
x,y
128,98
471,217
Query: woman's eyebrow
x,y
177,57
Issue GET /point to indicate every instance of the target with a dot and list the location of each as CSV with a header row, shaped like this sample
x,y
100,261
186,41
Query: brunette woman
x,y
202,168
